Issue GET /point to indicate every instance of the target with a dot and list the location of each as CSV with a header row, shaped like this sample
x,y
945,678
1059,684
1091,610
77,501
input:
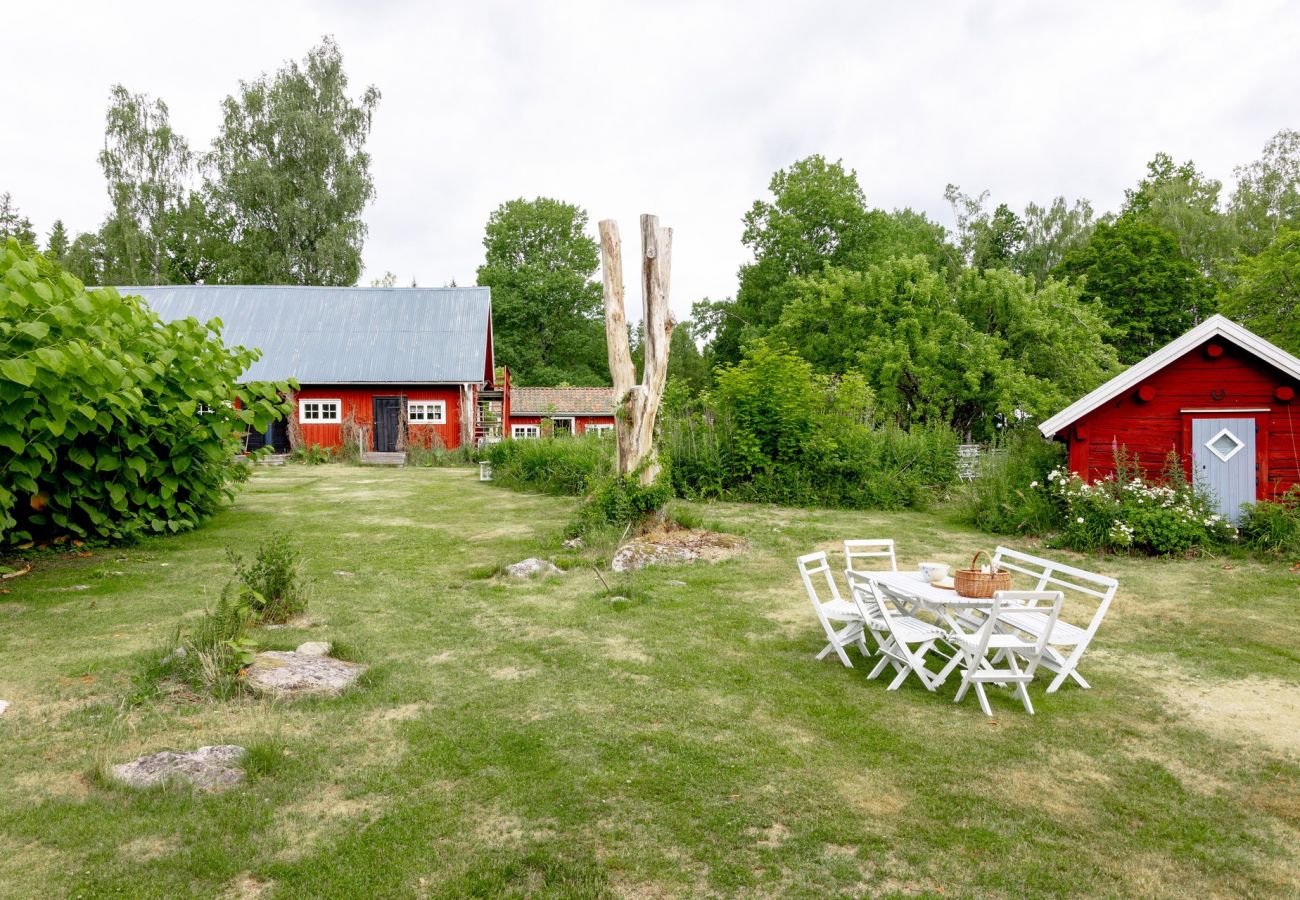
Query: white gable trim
x,y
1214,326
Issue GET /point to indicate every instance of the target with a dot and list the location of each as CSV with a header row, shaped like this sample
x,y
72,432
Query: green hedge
x,y
562,465
113,423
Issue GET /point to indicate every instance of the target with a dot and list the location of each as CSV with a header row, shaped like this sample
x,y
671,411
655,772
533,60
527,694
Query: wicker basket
x,y
974,583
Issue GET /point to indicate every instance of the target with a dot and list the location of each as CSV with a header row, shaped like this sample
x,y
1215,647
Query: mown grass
x,y
538,740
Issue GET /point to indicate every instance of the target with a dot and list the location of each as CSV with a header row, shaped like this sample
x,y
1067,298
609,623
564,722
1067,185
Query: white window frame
x,y
426,412
525,432
337,417
573,425
599,428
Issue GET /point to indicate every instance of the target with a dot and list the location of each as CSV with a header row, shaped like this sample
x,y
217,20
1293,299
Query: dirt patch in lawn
x,y
1264,709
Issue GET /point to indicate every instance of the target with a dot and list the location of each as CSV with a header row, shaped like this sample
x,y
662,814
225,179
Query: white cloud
x,y
683,109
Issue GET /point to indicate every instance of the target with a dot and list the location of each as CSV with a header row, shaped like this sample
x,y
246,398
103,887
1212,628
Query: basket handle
x,y
993,569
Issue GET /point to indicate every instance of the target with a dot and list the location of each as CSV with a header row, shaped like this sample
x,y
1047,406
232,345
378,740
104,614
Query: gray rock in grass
x,y
4,705
527,568
279,673
212,768
313,648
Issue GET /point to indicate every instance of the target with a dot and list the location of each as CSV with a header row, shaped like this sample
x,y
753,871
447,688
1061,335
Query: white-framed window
x,y
600,428
525,431
426,412
319,412
561,425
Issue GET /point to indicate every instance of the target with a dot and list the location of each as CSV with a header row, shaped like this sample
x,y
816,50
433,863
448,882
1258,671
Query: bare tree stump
x,y
637,405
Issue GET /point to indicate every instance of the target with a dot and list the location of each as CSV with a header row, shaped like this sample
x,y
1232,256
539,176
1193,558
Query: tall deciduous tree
x,y
1266,294
1268,192
546,304
13,224
1185,203
145,164
1148,291
289,175
1050,233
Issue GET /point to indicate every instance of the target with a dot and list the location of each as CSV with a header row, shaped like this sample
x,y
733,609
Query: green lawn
x,y
537,739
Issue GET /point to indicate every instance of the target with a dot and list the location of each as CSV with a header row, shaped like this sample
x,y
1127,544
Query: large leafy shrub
x,y
113,423
773,431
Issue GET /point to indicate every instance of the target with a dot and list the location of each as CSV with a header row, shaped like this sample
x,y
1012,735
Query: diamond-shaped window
x,y
1225,445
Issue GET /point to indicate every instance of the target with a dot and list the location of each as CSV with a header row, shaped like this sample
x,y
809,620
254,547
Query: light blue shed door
x,y
1223,454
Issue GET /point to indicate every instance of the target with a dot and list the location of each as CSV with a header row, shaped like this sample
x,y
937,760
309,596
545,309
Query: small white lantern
x,y
484,471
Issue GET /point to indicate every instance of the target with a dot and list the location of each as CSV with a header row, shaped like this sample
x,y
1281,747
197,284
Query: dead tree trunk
x,y
637,405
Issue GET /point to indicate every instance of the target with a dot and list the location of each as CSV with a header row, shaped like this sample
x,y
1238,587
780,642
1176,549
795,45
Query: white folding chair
x,y
1008,645
876,548
904,640
836,609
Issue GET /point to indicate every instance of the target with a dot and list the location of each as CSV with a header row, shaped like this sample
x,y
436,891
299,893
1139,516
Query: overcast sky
x,y
683,109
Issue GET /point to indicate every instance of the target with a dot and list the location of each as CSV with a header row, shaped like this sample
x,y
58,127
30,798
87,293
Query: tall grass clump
x,y
272,583
206,656
1272,527
560,465
1003,497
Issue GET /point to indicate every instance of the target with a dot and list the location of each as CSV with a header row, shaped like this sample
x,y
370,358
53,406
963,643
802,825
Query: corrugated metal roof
x,y
538,401
342,335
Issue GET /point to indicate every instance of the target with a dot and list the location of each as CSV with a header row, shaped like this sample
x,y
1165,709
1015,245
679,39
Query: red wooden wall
x,y
1232,381
358,401
580,423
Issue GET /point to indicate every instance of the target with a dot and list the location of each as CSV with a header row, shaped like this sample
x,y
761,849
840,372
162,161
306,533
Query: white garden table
x,y
943,602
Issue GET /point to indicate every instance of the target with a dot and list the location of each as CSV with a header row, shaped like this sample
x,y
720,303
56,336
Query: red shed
x,y
1220,397
571,410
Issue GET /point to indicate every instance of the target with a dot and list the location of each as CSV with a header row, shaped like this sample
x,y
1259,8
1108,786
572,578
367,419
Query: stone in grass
x,y
527,568
211,768
4,705
279,673
314,648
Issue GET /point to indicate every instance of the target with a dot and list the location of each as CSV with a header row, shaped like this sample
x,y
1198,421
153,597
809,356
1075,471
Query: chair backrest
x,y
1048,574
1015,600
878,548
812,565
875,600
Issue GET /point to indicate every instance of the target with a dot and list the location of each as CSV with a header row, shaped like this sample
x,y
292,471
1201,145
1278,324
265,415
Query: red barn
x,y
401,364
570,410
1220,397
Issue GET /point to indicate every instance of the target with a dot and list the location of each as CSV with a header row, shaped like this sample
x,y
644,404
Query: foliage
x,y
547,317
1266,295
313,455
616,501
1000,498
1184,202
975,364
563,465
426,449
1127,511
1147,289
817,218
145,164
774,431
985,241
13,224
272,580
100,409
1267,196
1272,527
209,654
288,176
1050,233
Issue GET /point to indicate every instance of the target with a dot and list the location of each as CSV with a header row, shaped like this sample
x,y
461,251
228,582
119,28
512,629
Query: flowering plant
x,y
1129,511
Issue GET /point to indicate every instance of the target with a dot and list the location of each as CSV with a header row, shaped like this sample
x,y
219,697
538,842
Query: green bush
x,y
1000,498
112,423
425,448
775,432
313,455
272,581
1128,511
1272,528
622,501
563,465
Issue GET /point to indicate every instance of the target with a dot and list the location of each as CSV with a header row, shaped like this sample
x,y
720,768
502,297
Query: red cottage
x,y
569,410
402,363
1220,397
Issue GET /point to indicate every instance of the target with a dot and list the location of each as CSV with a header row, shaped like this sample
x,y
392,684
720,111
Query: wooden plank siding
x,y
358,402
1220,387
